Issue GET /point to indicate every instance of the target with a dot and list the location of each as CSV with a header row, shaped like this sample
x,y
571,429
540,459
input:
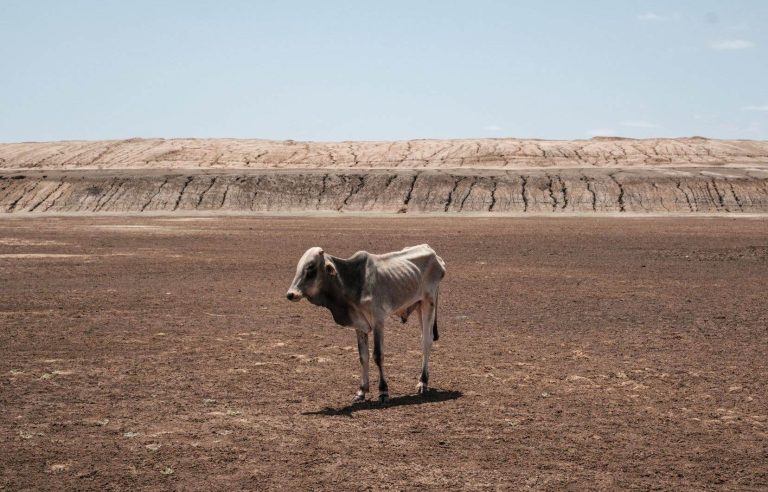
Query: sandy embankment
x,y
502,176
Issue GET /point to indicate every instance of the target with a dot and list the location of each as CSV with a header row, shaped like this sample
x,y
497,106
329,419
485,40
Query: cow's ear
x,y
330,269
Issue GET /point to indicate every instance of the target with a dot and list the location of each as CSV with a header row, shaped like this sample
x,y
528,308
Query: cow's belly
x,y
404,312
397,286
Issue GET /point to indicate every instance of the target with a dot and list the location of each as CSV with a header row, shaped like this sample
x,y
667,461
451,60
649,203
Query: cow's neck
x,y
351,275
340,293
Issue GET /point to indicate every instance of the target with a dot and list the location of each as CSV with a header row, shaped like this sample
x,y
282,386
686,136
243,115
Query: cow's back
x,y
422,256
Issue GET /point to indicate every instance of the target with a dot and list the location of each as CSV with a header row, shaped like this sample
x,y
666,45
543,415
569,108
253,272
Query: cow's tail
x,y
435,334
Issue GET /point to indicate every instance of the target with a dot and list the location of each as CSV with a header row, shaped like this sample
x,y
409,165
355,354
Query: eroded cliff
x,y
482,176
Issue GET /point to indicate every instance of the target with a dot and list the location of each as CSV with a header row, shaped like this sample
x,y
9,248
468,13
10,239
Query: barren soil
x,y
583,353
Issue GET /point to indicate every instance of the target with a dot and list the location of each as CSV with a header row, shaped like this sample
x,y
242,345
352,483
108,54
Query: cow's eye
x,y
311,271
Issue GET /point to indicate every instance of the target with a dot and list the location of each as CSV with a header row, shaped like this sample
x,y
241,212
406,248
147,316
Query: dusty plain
x,y
608,353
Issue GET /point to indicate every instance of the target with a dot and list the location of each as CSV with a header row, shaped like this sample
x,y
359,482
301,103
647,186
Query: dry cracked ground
x,y
603,320
575,353
502,176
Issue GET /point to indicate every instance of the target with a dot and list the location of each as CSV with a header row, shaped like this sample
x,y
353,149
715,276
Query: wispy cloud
x,y
639,124
601,132
706,117
492,128
654,17
743,26
764,107
753,129
731,44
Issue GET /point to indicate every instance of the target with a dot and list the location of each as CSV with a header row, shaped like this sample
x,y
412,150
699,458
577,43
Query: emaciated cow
x,y
362,291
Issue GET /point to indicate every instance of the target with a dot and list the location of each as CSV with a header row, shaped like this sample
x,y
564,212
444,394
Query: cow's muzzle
x,y
293,296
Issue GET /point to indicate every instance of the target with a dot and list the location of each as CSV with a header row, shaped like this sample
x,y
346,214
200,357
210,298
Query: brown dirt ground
x,y
575,353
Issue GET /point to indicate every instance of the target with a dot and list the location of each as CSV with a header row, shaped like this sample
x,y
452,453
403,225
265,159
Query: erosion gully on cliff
x,y
422,176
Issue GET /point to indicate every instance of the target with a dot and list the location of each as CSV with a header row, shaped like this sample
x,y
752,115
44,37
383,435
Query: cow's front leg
x,y
378,357
362,349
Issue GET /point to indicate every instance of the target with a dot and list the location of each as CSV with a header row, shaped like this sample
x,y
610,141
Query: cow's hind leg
x,y
427,317
378,357
362,349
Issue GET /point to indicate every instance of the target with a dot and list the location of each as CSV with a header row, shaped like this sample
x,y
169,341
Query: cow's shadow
x,y
432,396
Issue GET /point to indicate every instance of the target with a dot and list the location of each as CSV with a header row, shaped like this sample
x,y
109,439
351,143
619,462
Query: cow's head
x,y
313,267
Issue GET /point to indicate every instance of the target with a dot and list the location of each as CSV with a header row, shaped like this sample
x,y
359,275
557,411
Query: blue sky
x,y
351,70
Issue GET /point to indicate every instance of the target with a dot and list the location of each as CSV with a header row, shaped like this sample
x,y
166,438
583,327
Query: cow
x,y
365,289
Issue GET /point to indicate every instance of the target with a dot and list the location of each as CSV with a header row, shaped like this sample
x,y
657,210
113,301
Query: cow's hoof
x,y
359,396
384,398
421,389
